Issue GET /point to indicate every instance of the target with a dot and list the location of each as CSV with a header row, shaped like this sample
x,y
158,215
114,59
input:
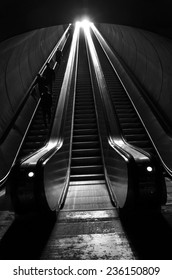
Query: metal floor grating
x,y
88,195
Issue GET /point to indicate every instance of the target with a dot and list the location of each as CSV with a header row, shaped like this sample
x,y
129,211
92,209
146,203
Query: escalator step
x,y
36,132
86,104
86,169
88,131
84,120
84,115
84,111
84,97
123,106
136,137
124,111
125,119
131,125
86,177
83,161
129,131
127,114
84,138
85,145
86,125
83,106
39,138
85,152
140,144
38,126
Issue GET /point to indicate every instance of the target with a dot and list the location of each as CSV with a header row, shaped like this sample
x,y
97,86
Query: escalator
x,y
87,187
85,170
132,128
37,134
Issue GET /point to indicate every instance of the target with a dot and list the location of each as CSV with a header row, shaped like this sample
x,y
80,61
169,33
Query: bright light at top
x,y
85,23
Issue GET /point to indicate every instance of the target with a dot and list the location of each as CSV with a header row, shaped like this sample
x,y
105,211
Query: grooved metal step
x,y
83,161
85,152
86,131
86,177
85,126
86,169
85,138
85,120
85,145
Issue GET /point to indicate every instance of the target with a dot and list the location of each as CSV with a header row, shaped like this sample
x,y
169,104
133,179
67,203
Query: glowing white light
x,y
85,23
31,174
78,24
149,169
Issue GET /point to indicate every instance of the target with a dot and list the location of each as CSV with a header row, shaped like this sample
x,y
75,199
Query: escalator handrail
x,y
126,158
55,142
115,138
44,160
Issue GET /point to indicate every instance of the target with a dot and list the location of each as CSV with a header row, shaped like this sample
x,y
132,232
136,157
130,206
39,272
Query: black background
x,y
24,15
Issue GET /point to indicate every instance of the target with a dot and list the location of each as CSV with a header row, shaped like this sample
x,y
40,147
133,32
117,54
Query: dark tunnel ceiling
x,y
24,15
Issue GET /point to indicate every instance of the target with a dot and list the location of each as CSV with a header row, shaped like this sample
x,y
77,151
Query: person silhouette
x,y
49,75
58,56
40,82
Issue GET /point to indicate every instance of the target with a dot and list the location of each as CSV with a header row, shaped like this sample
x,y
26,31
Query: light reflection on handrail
x,y
115,139
56,141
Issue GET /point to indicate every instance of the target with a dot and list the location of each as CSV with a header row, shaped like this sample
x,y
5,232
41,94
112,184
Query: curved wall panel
x,y
149,56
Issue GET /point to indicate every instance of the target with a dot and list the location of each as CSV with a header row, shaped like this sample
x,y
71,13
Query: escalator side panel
x,y
120,183
31,193
144,187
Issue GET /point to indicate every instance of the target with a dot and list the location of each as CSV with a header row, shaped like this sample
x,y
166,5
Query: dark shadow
x,y
150,236
26,238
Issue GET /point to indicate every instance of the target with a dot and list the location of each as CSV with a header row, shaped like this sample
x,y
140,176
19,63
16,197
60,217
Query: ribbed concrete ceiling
x,y
20,16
